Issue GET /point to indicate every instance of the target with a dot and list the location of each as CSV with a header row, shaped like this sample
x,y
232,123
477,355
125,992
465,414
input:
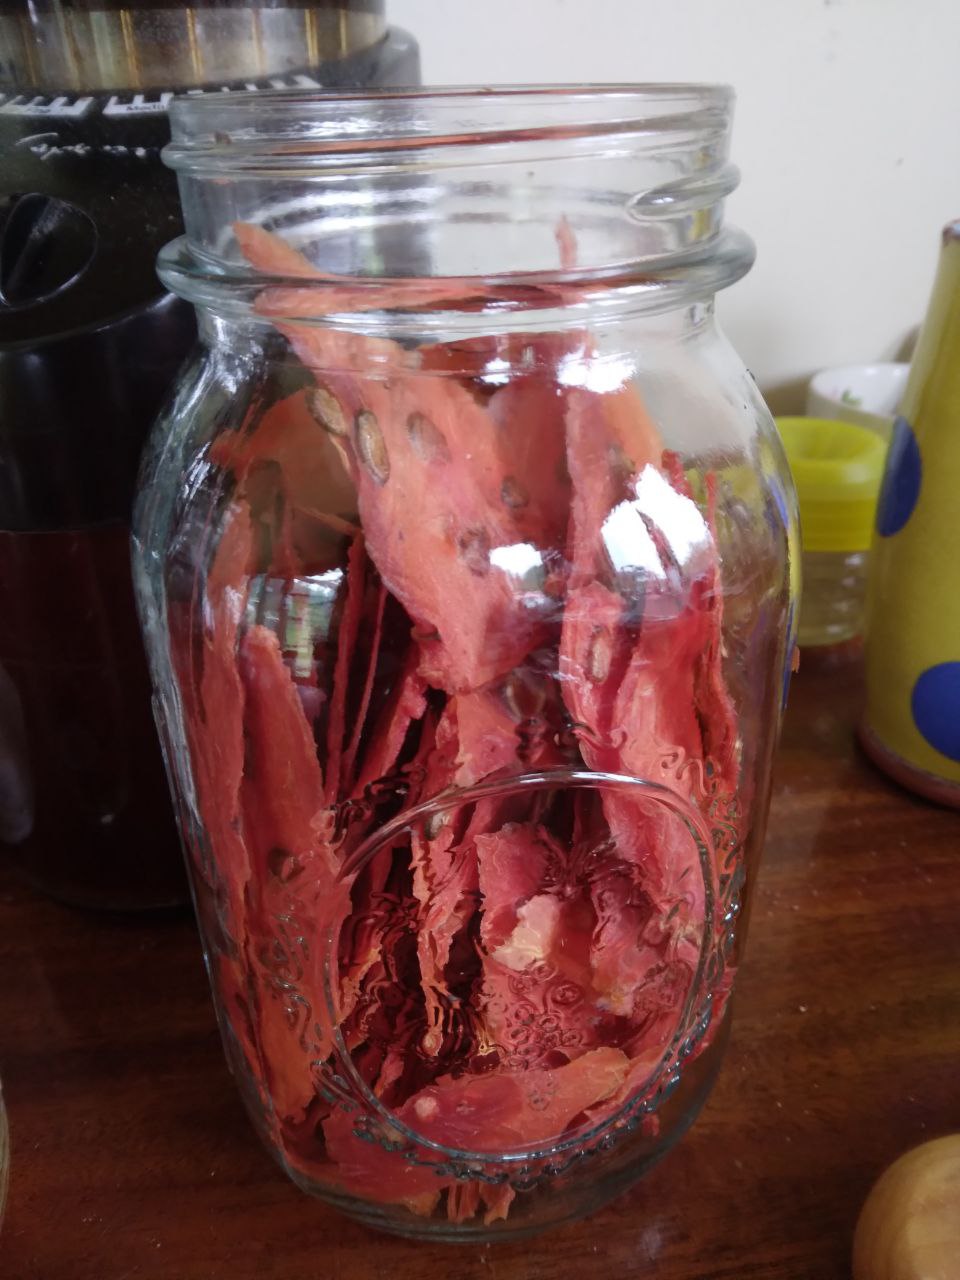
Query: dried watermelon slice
x,y
489,1113
203,641
341,294
510,555
426,439
641,655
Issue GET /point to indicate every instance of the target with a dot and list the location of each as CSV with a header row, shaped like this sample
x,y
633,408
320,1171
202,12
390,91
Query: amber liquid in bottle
x,y
89,347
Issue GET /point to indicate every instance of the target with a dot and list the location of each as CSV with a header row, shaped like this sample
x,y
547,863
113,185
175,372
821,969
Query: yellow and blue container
x,y
911,727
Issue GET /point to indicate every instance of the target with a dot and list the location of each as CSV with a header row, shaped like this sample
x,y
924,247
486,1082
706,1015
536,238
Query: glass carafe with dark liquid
x,y
89,348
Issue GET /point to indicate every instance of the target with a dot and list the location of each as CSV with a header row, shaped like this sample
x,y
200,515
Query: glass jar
x,y
464,557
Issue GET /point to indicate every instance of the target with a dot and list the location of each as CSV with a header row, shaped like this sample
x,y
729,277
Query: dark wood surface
x,y
132,1158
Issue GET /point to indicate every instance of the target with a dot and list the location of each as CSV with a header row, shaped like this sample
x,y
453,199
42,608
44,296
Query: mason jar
x,y
464,556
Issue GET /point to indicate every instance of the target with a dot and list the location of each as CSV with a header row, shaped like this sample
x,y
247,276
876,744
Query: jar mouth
x,y
308,130
616,189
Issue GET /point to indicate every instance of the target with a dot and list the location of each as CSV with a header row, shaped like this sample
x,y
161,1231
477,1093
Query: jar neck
x,y
242,335
594,203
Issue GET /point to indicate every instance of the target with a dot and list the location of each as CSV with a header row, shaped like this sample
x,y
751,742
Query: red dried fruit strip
x,y
512,866
463,1201
443,879
364,1169
346,646
478,737
487,1113
428,437
630,659
215,724
330,293
288,826
545,910
502,1111
284,798
372,919
448,551
427,440
311,468
212,695
406,704
498,1200
350,755
718,716
528,414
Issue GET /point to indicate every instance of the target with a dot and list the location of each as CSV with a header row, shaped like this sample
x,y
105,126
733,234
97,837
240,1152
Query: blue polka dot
x,y
901,480
936,707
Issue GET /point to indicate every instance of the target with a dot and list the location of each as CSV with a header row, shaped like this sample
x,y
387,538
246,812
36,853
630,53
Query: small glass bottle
x,y
837,468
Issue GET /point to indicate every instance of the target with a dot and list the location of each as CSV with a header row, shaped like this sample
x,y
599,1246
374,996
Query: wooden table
x,y
132,1157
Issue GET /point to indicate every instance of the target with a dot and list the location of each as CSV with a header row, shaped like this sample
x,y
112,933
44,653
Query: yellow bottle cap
x,y
837,468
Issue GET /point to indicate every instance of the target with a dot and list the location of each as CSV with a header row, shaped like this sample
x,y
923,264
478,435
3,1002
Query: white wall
x,y
847,133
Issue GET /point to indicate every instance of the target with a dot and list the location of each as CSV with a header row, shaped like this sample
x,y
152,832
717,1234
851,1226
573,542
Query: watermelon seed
x,y
371,446
620,462
598,659
513,494
328,411
429,443
475,550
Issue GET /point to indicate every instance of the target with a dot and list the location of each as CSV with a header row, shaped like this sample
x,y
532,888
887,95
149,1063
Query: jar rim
x,y
308,130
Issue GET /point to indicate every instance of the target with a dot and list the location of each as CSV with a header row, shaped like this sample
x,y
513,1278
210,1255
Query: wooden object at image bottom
x,y
132,1158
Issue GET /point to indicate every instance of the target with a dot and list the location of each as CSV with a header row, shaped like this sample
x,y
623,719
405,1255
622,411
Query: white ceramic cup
x,y
867,394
